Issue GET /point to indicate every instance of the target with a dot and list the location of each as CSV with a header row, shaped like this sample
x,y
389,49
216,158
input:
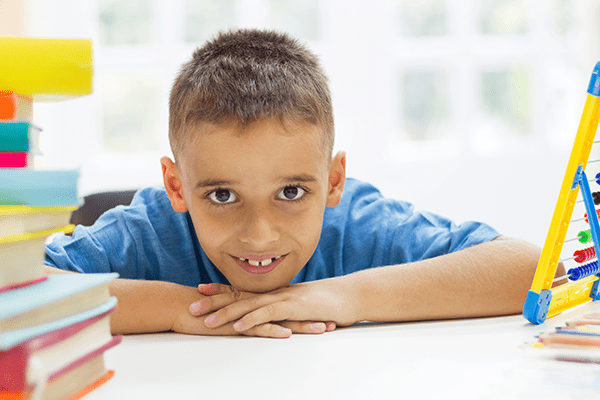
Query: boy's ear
x,y
337,179
173,184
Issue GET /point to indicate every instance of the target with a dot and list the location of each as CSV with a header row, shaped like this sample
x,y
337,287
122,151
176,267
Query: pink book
x,y
14,160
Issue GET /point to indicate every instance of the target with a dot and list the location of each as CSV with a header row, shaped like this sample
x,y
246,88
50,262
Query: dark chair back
x,y
96,204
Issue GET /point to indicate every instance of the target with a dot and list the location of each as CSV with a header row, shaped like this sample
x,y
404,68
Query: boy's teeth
x,y
262,263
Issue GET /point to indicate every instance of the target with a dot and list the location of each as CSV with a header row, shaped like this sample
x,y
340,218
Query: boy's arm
x,y
146,306
157,306
489,279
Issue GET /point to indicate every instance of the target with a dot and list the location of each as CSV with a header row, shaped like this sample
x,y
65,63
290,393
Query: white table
x,y
466,359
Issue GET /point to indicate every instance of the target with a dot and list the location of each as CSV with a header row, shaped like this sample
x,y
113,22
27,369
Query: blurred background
x,y
467,108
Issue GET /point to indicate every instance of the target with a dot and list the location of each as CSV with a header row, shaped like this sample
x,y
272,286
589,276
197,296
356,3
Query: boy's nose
x,y
259,230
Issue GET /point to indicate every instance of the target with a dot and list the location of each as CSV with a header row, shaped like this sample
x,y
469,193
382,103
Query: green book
x,y
18,137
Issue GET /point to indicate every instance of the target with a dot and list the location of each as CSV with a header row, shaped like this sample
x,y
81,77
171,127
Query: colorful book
x,y
61,360
22,258
15,107
14,160
46,69
55,351
80,378
38,188
17,220
56,298
19,136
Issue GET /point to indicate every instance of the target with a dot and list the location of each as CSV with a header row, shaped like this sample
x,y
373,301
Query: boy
x,y
253,214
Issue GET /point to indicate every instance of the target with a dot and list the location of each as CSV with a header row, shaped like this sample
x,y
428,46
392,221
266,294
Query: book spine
x,y
21,186
14,160
14,107
93,386
115,341
14,137
55,67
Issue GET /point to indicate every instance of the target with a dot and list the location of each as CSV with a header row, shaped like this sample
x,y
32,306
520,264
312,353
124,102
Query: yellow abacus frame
x,y
544,301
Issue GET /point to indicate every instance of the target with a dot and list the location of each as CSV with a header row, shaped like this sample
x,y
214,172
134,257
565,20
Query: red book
x,y
14,160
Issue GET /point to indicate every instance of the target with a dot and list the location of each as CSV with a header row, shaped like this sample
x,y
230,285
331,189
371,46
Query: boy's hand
x,y
186,323
288,308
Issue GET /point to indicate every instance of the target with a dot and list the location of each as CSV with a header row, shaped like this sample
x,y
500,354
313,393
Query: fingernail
x,y
317,326
210,319
238,326
195,308
285,332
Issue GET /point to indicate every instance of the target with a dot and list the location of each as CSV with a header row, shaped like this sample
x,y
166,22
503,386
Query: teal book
x,y
19,137
58,297
28,187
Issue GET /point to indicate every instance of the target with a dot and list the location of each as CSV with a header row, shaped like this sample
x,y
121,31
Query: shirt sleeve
x,y
146,240
106,246
372,231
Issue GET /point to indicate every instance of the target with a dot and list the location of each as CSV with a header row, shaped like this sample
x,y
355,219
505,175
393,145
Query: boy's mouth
x,y
259,267
262,263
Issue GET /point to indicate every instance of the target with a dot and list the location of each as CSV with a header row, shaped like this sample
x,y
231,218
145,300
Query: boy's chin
x,y
258,287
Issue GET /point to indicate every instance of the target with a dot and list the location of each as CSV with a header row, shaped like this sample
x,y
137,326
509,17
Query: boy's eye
x,y
291,193
222,196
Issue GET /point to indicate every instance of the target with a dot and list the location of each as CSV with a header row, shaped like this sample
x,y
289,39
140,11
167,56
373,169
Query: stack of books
x,y
54,329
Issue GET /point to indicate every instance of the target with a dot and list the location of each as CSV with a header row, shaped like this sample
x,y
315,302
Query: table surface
x,y
466,359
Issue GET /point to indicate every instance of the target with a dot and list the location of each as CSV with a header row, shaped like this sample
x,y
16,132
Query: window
x,y
505,98
425,104
498,17
125,22
423,18
300,18
130,100
204,18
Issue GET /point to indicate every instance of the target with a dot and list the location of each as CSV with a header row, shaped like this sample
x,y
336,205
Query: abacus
x,y
574,223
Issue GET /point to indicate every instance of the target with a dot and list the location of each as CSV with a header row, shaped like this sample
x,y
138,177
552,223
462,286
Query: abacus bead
x,y
584,255
584,236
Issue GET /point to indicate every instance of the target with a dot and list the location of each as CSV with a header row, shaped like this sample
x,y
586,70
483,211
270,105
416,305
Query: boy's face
x,y
256,197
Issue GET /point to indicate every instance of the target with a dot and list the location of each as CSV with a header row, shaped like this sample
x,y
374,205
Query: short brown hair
x,y
244,76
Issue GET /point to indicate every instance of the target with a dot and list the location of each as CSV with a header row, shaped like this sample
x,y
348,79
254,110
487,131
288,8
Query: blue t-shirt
x,y
149,240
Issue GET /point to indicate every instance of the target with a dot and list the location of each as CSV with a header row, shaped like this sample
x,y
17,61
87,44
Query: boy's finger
x,y
240,304
209,304
271,312
307,327
210,289
269,331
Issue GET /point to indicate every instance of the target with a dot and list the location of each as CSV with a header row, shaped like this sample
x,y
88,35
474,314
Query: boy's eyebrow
x,y
286,179
213,182
298,178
